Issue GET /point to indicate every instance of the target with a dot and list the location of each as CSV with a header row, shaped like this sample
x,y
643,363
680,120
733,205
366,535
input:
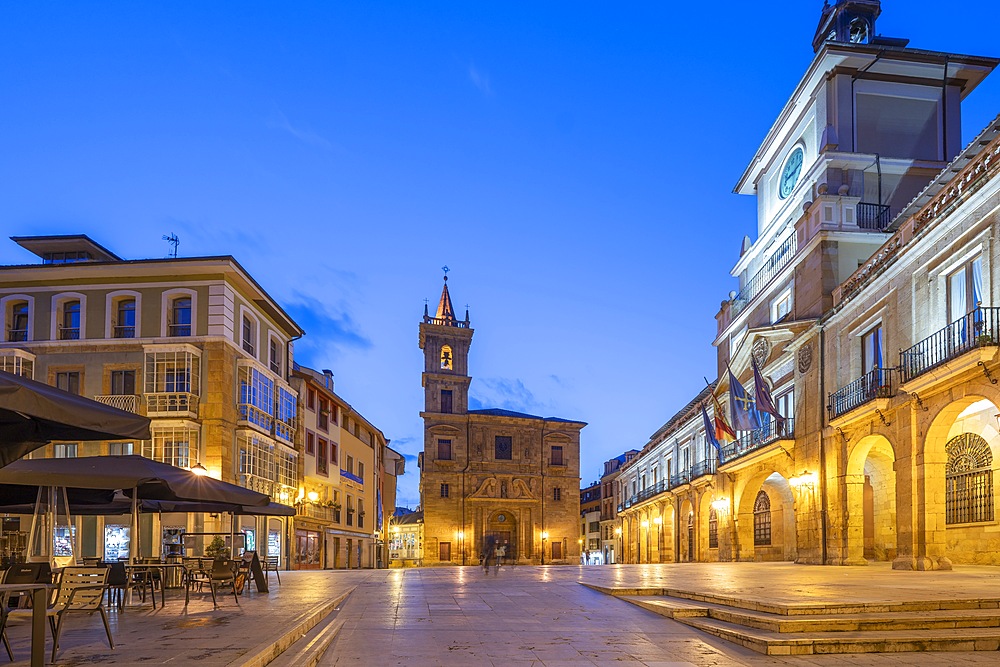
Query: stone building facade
x,y
876,234
492,476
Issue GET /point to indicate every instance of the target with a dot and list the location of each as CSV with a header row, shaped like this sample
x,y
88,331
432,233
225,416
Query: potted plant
x,y
984,339
217,548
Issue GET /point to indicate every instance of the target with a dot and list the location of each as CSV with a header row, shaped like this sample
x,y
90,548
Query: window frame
x,y
112,304
57,325
168,312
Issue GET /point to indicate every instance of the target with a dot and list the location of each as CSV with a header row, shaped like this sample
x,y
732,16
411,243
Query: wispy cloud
x,y
330,329
480,80
280,121
506,394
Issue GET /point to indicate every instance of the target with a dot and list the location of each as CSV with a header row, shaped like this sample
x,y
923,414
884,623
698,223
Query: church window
x,y
446,401
444,490
968,480
503,446
762,520
557,493
713,529
447,359
444,450
557,455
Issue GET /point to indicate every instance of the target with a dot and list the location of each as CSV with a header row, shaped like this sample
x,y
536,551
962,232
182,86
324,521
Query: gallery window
x,y
968,480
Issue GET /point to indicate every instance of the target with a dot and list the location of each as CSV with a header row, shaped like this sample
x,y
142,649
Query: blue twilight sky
x,y
571,162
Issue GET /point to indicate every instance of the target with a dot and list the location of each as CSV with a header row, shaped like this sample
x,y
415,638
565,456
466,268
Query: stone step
x,y
890,641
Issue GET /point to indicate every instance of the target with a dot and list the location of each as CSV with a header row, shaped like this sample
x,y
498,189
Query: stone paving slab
x,y
197,634
543,617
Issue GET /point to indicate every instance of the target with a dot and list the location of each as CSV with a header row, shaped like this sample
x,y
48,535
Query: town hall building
x,y
490,478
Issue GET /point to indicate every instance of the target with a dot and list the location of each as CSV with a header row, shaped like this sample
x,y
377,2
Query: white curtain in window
x,y
956,295
977,282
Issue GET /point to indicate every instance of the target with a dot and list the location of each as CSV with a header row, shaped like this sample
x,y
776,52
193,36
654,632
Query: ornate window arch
x,y
968,480
762,520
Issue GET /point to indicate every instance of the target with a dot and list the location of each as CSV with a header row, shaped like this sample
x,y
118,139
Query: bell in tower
x,y
445,340
847,21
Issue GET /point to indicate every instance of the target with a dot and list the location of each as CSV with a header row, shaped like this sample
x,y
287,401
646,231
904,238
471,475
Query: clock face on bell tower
x,y
790,172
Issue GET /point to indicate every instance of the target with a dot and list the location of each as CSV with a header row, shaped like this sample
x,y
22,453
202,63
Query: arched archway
x,y
766,519
871,501
956,505
500,531
686,532
708,541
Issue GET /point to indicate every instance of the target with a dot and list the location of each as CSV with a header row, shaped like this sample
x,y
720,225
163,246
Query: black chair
x,y
271,565
118,584
223,574
27,573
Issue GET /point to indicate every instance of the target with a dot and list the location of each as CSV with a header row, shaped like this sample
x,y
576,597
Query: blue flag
x,y
742,406
710,432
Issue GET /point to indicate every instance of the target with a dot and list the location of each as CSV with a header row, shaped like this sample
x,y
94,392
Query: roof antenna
x,y
174,241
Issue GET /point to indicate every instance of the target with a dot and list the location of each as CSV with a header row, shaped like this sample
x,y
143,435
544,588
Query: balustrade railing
x,y
126,402
124,331
441,321
773,431
778,260
17,335
170,403
979,328
69,333
702,468
254,415
876,383
873,216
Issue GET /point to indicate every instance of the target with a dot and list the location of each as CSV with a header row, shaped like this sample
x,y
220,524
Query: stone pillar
x,y
855,519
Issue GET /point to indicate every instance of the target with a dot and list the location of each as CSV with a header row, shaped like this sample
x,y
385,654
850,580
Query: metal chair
x,y
271,565
81,589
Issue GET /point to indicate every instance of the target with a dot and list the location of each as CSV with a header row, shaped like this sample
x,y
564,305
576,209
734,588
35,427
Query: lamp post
x,y
545,536
618,543
659,542
645,526
461,544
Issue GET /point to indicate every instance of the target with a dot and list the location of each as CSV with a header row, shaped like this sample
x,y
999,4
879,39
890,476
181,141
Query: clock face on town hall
x,y
790,173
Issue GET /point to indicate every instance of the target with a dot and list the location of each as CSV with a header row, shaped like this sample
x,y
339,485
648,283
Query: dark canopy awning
x,y
33,414
152,480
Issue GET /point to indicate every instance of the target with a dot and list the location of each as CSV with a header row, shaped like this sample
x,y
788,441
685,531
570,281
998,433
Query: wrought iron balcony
x,y
762,437
877,383
69,333
873,216
703,468
126,402
124,331
179,330
778,260
979,328
17,335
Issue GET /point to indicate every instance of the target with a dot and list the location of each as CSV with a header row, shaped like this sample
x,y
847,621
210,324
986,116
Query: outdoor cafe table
x,y
39,609
162,568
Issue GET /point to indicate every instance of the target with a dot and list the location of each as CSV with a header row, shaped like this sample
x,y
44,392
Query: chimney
x,y
328,374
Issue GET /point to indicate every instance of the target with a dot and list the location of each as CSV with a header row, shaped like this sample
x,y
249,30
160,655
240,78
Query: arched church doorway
x,y
501,532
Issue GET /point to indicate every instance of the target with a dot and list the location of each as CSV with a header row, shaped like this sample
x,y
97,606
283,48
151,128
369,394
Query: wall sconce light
x,y
313,496
721,505
658,521
199,470
545,534
618,532
460,534
645,523
805,480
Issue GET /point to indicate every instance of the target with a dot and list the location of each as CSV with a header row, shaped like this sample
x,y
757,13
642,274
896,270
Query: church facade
x,y
867,302
490,478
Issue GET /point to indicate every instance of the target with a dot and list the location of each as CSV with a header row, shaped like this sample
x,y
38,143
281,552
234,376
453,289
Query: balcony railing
x,y
17,335
253,415
69,333
171,403
877,383
124,331
778,260
873,216
441,321
179,330
126,402
762,437
703,468
979,328
315,511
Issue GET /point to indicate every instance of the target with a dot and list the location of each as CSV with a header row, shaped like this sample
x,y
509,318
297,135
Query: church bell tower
x,y
445,341
847,21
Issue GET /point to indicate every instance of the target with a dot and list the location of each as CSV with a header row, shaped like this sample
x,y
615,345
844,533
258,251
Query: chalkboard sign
x,y
256,571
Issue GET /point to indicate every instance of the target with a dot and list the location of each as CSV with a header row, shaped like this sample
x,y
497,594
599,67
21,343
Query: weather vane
x,y
174,241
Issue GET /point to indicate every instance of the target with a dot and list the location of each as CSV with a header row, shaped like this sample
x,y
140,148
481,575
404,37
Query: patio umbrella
x,y
83,504
33,414
136,476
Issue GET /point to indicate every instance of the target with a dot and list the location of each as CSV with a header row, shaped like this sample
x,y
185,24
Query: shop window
x,y
968,480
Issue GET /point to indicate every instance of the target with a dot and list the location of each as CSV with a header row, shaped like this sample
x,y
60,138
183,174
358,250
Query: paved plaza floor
x,y
543,616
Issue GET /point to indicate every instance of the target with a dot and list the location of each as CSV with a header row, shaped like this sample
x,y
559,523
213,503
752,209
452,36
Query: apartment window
x,y
323,418
350,510
350,464
965,289
762,520
557,493
871,349
180,317
361,513
249,336
274,354
123,383
446,401
503,446
333,453
172,444
120,448
361,469
686,457
557,455
69,381
124,325
444,450
65,450
781,307
310,443
311,399
322,463
286,406
334,414
713,529
18,329
444,490
69,323
444,551
257,404
968,480
171,373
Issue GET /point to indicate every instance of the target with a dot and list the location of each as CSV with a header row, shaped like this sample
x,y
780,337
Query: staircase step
x,y
669,607
891,641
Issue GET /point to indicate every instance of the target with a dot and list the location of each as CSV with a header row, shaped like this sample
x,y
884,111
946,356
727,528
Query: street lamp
x,y
545,536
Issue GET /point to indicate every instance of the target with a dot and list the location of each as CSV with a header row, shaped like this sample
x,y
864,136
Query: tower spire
x,y
445,311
